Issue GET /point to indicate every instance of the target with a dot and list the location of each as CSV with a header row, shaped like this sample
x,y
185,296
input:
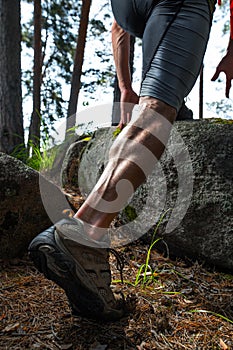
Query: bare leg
x,y
150,131
69,253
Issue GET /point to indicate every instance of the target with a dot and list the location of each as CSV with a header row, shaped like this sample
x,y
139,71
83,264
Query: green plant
x,y
212,313
116,132
42,159
20,152
39,158
146,274
80,132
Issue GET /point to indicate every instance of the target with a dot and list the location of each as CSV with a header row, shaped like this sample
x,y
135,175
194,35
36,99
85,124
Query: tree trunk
x,y
201,89
78,63
116,91
34,130
11,117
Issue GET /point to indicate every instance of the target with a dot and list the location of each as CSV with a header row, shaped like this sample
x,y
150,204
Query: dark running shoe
x,y
82,271
184,113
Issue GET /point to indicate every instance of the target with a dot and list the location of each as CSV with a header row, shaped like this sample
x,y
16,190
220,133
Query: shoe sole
x,y
56,266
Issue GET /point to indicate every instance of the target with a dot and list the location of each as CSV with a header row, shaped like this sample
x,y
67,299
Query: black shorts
x,y
132,15
174,38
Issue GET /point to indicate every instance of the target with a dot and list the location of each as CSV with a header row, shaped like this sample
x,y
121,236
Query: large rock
x,y
194,182
29,204
70,164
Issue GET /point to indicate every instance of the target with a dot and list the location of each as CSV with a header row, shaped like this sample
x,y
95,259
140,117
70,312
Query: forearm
x,y
226,66
121,52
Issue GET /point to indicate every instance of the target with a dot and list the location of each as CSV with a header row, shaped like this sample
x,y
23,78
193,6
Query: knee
x,y
160,107
116,29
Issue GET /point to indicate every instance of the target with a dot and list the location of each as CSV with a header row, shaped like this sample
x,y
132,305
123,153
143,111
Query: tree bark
x,y
78,63
11,117
201,92
34,130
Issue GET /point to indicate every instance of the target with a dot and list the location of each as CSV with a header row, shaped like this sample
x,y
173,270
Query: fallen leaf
x,y
223,345
2,317
65,346
11,327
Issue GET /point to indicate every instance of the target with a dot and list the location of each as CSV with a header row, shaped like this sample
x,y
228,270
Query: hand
x,y
129,99
226,66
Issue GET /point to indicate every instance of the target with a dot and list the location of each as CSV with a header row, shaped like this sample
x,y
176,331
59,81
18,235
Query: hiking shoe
x,y
82,271
184,113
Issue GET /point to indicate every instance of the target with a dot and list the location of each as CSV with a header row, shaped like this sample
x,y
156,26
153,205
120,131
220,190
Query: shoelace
x,y
120,262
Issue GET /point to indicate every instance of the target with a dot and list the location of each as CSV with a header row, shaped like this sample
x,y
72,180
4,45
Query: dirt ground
x,y
179,306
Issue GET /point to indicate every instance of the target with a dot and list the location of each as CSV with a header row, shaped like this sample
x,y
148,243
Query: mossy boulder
x,y
28,205
205,229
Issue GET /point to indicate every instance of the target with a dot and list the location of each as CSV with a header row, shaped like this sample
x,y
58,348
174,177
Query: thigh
x,y
132,15
172,58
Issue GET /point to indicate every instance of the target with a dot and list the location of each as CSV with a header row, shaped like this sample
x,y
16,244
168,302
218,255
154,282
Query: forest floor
x,y
181,306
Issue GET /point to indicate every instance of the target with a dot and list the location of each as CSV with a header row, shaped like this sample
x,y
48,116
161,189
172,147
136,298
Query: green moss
x,y
221,121
130,213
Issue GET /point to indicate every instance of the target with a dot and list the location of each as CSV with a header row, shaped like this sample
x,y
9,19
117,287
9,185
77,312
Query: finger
x,y
121,125
123,115
228,86
216,75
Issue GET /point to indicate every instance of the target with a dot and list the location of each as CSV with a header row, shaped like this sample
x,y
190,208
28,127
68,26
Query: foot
x,y
82,271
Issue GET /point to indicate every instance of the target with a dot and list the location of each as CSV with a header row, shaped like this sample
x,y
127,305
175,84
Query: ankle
x,y
92,231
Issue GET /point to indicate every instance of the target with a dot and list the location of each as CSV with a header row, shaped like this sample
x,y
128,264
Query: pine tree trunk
x,y
34,130
116,91
78,63
11,118
201,92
